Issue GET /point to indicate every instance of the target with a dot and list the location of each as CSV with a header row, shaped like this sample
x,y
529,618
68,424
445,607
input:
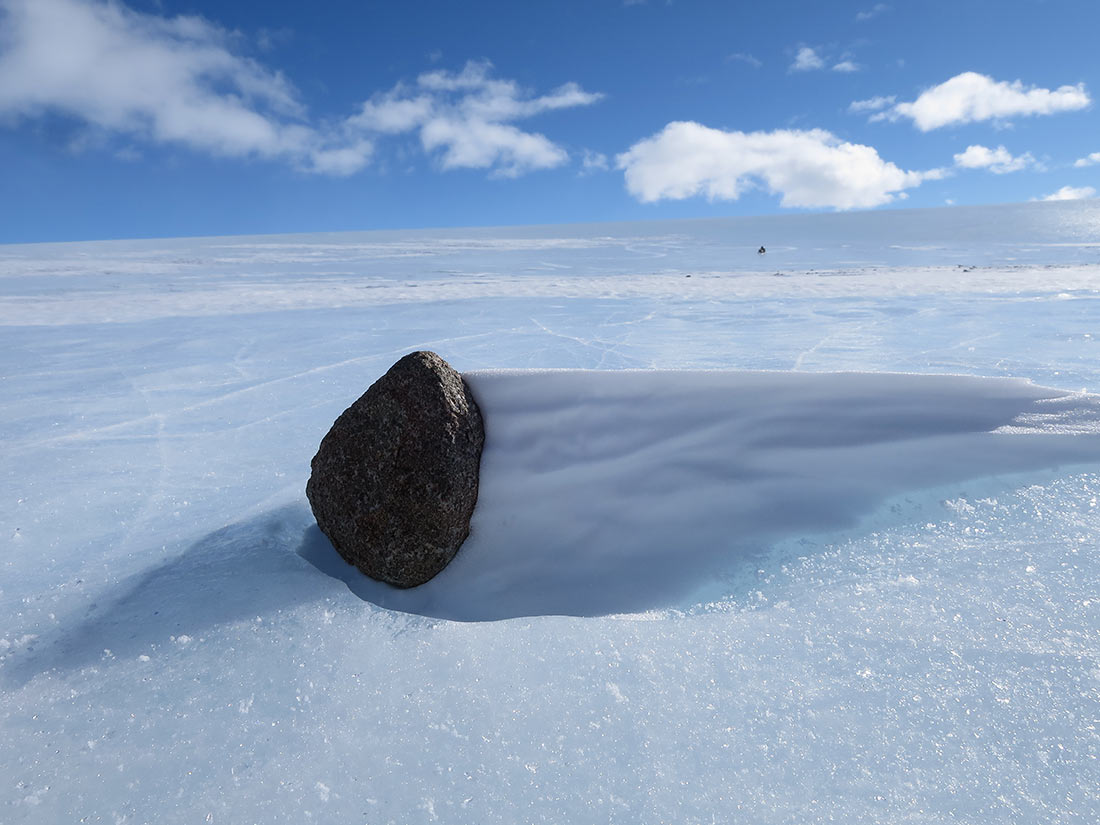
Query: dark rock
x,y
394,482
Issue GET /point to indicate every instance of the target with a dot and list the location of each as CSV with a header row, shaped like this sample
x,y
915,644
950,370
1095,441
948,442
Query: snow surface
x,y
835,589
612,492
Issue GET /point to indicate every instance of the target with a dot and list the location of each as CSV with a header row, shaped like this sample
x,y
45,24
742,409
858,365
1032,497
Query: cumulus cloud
x,y
970,97
999,161
846,66
806,168
464,119
807,60
172,80
1088,160
1071,193
147,78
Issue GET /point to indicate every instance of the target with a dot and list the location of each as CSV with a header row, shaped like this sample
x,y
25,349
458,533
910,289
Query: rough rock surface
x,y
395,481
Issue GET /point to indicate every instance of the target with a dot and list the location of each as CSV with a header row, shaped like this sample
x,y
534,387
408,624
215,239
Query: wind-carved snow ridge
x,y
612,492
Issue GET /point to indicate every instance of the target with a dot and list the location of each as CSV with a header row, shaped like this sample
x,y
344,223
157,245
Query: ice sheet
x,y
905,652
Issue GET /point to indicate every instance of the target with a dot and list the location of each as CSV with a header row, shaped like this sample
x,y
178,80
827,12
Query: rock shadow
x,y
240,571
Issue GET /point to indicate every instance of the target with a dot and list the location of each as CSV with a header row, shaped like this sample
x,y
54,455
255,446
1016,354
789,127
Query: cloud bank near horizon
x,y
1071,193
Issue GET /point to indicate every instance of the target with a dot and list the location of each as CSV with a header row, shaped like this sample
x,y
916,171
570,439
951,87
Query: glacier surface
x,y
803,537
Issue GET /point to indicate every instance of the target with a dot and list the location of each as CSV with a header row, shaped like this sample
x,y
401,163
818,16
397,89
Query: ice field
x,y
800,537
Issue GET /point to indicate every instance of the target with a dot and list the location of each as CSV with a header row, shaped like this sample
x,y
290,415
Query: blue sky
x,y
157,118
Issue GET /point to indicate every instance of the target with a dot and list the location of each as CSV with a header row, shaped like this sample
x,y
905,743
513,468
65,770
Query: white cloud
x,y
999,161
872,104
480,144
342,160
464,118
166,80
874,11
806,168
1088,160
1071,193
970,97
807,60
394,112
177,81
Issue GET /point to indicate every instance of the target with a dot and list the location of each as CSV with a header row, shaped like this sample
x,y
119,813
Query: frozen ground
x,y
868,597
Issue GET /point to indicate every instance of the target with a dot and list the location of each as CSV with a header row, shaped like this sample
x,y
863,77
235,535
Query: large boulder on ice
x,y
394,482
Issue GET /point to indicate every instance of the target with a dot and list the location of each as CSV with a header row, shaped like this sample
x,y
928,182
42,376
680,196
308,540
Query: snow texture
x,y
805,537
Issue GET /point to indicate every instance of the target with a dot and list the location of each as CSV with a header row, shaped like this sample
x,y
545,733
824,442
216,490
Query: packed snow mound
x,y
611,492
